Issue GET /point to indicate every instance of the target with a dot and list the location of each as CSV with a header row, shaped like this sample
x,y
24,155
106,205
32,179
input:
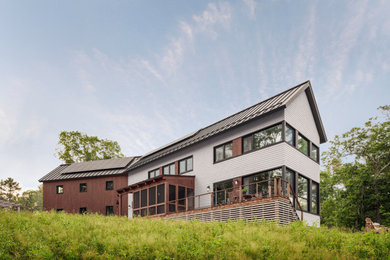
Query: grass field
x,y
50,235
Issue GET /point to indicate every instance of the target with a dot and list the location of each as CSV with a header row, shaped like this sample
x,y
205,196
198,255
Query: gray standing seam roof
x,y
276,102
62,172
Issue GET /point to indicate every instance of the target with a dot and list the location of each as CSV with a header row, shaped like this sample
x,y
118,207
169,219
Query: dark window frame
x,y
82,210
186,165
57,189
308,144
294,135
308,199
317,202
169,169
155,170
82,185
107,187
224,152
59,210
112,207
258,131
318,152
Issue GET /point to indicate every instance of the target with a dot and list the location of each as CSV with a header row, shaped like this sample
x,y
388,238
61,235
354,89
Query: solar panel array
x,y
98,165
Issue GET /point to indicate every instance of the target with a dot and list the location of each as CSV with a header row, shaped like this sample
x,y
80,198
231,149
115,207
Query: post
x,y
120,205
279,187
288,190
275,186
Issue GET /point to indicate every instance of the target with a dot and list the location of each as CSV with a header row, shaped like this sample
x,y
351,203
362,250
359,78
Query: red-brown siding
x,y
95,199
237,146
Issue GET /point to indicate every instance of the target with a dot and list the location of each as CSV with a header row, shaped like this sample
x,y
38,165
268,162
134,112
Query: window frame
x,y
169,169
82,210
308,199
186,165
112,185
82,185
57,189
253,138
294,144
155,170
308,144
113,213
318,152
224,152
317,201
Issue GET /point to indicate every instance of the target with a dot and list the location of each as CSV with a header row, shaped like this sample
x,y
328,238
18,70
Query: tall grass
x,y
51,235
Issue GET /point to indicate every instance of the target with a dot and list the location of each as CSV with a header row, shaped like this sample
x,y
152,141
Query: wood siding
x,y
95,199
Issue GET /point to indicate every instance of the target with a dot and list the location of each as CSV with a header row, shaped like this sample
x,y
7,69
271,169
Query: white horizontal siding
x,y
310,219
299,115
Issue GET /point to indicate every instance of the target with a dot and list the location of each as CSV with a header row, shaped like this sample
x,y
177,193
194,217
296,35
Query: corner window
x,y
169,169
83,187
303,144
154,173
303,184
314,153
59,189
223,152
262,138
109,210
109,185
290,135
314,198
185,165
83,210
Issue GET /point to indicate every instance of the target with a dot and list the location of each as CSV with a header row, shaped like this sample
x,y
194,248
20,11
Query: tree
x,y
358,187
32,200
79,147
9,189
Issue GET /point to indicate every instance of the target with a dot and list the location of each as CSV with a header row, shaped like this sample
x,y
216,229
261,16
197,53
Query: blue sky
x,y
144,73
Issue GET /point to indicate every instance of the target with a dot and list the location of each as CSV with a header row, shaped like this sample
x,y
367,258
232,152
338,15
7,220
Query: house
x,y
262,162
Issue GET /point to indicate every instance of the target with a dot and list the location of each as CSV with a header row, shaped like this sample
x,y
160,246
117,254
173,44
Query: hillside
x,y
48,235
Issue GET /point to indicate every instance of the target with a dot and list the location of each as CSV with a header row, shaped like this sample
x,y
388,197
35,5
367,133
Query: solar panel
x,y
98,165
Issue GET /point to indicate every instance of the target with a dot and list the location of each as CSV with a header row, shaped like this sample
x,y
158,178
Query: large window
x,y
83,187
109,210
251,187
290,135
314,198
314,152
221,192
59,189
185,165
303,144
169,169
83,210
223,152
154,173
303,185
109,185
290,177
262,138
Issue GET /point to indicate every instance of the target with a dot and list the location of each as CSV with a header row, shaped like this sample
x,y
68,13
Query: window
x,y
290,135
160,194
172,198
152,195
59,189
223,152
303,145
83,210
59,210
314,198
83,187
220,196
144,194
154,173
169,169
136,200
109,185
109,210
262,138
290,177
314,152
303,184
257,183
185,165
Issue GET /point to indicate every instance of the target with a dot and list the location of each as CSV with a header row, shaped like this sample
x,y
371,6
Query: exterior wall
x,y
310,219
95,199
299,115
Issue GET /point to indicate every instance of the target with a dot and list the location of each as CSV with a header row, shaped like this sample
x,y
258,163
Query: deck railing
x,y
265,189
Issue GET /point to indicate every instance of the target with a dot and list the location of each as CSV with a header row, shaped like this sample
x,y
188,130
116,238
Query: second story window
x,y
109,185
185,165
262,138
169,169
303,144
223,152
314,152
59,189
83,187
154,173
290,135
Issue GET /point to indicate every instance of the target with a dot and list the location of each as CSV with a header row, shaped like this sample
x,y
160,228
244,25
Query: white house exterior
x,y
294,110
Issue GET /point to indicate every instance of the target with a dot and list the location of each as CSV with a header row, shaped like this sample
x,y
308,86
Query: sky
x,y
144,73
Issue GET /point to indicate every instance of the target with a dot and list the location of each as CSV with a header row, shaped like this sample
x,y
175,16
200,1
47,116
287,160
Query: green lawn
x,y
49,235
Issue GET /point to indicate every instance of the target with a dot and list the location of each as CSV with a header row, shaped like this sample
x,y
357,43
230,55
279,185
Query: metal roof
x,y
62,172
276,102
